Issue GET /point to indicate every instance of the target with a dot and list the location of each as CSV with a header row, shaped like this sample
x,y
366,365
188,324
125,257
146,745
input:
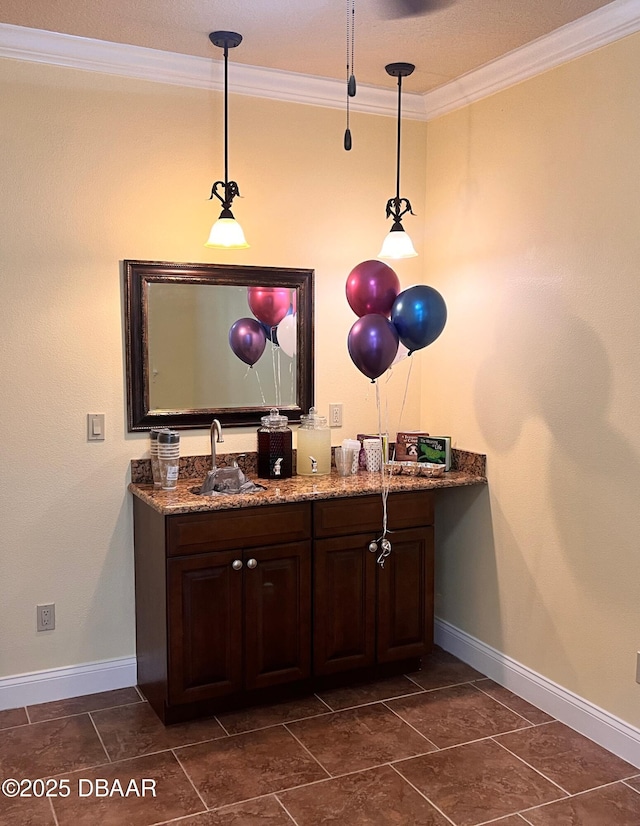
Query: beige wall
x,y
529,228
533,216
96,169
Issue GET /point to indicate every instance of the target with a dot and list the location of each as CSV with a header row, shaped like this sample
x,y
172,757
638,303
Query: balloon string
x,y
279,384
257,375
385,477
404,398
292,384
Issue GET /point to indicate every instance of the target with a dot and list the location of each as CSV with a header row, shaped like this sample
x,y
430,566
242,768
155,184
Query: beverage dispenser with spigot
x,y
314,445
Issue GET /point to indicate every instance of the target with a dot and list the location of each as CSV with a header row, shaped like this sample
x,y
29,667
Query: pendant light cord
x,y
226,116
351,79
399,124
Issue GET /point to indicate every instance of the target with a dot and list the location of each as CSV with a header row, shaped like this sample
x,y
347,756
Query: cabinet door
x,y
344,614
204,626
277,582
405,597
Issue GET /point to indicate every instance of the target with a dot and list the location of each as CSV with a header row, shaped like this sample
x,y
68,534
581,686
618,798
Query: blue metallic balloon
x,y
270,332
419,315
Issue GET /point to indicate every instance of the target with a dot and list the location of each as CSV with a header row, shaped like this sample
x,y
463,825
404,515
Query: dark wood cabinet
x,y
205,627
238,620
238,606
364,613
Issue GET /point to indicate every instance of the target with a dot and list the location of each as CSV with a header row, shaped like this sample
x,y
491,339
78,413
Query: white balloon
x,y
288,334
401,355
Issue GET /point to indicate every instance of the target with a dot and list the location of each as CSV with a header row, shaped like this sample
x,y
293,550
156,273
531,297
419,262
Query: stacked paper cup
x,y
373,452
168,457
353,444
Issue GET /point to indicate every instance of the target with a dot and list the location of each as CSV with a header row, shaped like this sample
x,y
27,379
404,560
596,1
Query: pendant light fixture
x,y
397,244
226,233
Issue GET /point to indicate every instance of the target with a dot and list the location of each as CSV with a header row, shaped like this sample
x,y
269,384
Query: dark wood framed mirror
x,y
185,364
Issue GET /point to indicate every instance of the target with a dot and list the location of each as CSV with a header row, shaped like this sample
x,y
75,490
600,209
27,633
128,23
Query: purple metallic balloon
x,y
373,344
372,287
247,339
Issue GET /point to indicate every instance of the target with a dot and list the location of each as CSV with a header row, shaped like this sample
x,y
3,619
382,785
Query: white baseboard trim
x,y
63,683
595,723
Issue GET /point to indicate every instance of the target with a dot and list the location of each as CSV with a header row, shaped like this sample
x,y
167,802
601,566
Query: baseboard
x,y
595,723
62,683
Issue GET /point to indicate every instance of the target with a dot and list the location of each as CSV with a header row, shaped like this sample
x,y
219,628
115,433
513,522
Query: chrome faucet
x,y
216,436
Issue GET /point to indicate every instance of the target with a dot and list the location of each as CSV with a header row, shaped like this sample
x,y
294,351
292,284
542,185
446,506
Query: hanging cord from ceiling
x,y
351,78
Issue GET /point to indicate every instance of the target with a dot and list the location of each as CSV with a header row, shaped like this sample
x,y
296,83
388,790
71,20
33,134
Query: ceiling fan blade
x,y
397,9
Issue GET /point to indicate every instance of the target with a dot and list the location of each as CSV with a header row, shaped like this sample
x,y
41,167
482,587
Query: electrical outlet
x,y
335,415
638,668
46,617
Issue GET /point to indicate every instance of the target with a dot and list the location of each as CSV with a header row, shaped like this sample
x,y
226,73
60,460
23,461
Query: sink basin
x,y
226,480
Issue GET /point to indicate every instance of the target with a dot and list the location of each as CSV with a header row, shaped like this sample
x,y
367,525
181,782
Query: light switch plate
x,y
638,668
95,427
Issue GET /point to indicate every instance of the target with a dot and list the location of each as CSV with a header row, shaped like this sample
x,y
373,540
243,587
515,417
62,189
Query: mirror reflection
x,y
207,341
252,362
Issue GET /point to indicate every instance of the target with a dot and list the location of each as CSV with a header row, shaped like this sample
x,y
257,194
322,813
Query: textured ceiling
x,y
309,36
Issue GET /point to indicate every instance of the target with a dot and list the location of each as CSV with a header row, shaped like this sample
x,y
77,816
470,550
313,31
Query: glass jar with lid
x,y
274,447
314,445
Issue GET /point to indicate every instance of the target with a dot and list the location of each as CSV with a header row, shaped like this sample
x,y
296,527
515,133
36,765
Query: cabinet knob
x,y
252,563
236,564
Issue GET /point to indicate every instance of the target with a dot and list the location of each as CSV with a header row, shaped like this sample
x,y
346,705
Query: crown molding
x,y
72,52
599,28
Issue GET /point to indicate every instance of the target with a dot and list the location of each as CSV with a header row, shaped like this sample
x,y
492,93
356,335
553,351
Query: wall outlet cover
x,y
46,617
335,415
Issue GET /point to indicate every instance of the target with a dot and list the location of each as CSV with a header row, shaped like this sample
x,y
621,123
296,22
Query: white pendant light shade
x,y
397,244
227,233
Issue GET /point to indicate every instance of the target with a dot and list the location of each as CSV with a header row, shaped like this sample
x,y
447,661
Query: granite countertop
x,y
470,471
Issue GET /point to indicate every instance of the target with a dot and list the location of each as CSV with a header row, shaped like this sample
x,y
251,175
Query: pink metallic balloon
x,y
372,287
269,304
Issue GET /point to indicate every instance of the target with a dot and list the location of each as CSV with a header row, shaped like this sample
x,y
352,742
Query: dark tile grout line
x,y
523,812
324,702
422,794
495,699
282,723
53,812
302,745
106,750
188,776
570,794
221,724
287,812
66,716
407,723
522,760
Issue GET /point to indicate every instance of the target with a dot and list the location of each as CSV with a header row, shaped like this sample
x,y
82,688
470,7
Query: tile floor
x,y
437,747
